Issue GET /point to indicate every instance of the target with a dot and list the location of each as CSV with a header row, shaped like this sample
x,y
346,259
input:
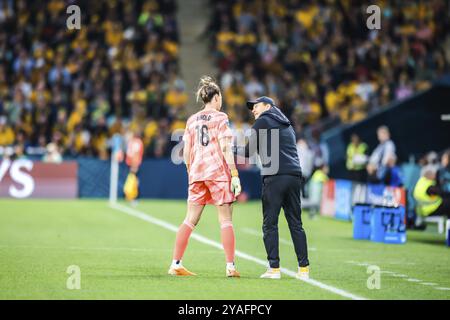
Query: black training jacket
x,y
271,127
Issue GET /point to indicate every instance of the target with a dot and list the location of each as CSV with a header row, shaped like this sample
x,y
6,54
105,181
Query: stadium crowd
x,y
73,89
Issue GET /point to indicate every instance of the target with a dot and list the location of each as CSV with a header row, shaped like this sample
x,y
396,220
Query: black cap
x,y
264,99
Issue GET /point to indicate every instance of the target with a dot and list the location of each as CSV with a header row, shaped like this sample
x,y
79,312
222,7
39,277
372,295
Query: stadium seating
x,y
320,61
78,87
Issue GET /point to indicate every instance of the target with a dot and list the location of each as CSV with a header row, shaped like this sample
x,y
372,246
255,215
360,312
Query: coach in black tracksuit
x,y
273,138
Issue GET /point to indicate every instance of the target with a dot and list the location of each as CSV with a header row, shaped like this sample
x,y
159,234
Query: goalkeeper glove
x,y
235,183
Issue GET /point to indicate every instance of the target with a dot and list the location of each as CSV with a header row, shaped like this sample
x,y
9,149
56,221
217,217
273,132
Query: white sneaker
x,y
271,273
303,273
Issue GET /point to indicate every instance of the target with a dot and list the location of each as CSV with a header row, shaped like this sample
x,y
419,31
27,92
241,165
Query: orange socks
x,y
183,234
228,240
185,230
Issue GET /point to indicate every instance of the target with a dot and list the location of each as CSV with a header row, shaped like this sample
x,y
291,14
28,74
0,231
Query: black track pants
x,y
283,191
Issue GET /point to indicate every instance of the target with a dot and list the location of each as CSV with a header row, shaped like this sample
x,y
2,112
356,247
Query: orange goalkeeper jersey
x,y
203,132
135,151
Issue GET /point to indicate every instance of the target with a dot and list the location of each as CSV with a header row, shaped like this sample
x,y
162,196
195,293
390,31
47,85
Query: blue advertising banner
x,y
381,195
343,199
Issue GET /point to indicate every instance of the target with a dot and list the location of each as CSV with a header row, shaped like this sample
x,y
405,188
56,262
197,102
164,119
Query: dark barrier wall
x,y
251,182
159,178
162,179
93,178
415,124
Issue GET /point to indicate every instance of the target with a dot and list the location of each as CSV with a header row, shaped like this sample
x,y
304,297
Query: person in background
x,y
52,154
19,152
315,187
431,200
356,159
135,150
430,159
377,166
134,153
6,132
443,174
393,176
306,157
320,174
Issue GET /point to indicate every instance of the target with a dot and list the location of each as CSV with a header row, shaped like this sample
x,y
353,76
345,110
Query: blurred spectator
x,y
134,155
377,167
19,152
52,155
6,132
393,176
431,200
314,189
443,174
320,151
431,159
134,150
320,61
320,175
306,157
357,159
160,144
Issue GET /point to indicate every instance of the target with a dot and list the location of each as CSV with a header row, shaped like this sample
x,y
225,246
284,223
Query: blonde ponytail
x,y
207,89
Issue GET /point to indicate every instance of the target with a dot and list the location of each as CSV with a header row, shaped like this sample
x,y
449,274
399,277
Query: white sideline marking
x,y
399,275
254,232
384,262
141,215
428,283
443,288
413,280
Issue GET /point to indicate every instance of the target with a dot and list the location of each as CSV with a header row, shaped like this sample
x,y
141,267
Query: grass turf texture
x,y
122,257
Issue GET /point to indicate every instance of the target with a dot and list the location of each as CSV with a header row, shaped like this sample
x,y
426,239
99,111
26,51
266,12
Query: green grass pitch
x,y
123,257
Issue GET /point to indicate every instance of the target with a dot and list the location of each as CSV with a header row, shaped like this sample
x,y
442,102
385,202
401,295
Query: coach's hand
x,y
236,186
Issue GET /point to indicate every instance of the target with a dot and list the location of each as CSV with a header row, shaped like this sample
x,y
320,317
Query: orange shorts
x,y
211,192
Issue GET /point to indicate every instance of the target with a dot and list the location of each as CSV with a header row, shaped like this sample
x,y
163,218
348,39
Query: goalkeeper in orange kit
x,y
213,178
135,151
